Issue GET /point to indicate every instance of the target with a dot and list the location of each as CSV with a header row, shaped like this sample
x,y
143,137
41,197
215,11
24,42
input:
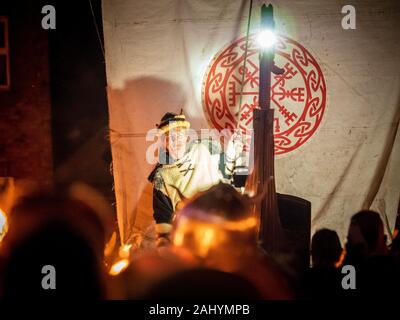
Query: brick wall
x,y
25,114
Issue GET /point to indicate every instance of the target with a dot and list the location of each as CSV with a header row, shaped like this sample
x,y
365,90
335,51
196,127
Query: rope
x,y
97,29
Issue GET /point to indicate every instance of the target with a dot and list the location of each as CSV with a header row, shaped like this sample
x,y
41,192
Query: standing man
x,y
186,168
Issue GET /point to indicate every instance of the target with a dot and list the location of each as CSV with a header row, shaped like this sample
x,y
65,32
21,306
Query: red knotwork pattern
x,y
298,96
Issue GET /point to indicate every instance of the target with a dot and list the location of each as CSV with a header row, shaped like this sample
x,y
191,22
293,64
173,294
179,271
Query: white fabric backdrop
x,y
158,51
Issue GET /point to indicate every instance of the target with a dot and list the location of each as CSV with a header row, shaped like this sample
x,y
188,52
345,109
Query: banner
x,y
336,105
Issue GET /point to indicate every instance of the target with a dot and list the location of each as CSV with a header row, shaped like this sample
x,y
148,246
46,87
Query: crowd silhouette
x,y
212,253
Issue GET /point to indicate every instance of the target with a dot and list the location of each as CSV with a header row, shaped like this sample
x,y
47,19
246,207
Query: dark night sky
x,y
78,88
77,71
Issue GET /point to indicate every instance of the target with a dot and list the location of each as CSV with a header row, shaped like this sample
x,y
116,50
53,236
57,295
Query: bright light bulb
x,y
266,39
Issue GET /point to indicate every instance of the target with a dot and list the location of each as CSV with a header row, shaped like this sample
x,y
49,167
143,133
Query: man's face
x,y
175,142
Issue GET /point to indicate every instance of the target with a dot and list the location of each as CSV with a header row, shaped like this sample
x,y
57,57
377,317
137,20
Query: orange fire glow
x,y
203,236
118,267
3,224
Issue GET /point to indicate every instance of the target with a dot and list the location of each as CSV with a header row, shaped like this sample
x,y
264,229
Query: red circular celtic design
x,y
298,95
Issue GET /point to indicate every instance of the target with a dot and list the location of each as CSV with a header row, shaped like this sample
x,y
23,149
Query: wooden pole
x,y
263,175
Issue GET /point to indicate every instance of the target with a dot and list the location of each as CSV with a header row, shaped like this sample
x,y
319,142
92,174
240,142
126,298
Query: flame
x,y
118,267
206,239
241,225
3,223
179,237
203,236
124,251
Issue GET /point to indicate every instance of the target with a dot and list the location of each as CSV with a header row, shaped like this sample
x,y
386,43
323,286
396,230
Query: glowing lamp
x,y
266,39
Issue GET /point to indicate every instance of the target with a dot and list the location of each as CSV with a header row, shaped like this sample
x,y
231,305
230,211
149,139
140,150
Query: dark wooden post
x,y
263,175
